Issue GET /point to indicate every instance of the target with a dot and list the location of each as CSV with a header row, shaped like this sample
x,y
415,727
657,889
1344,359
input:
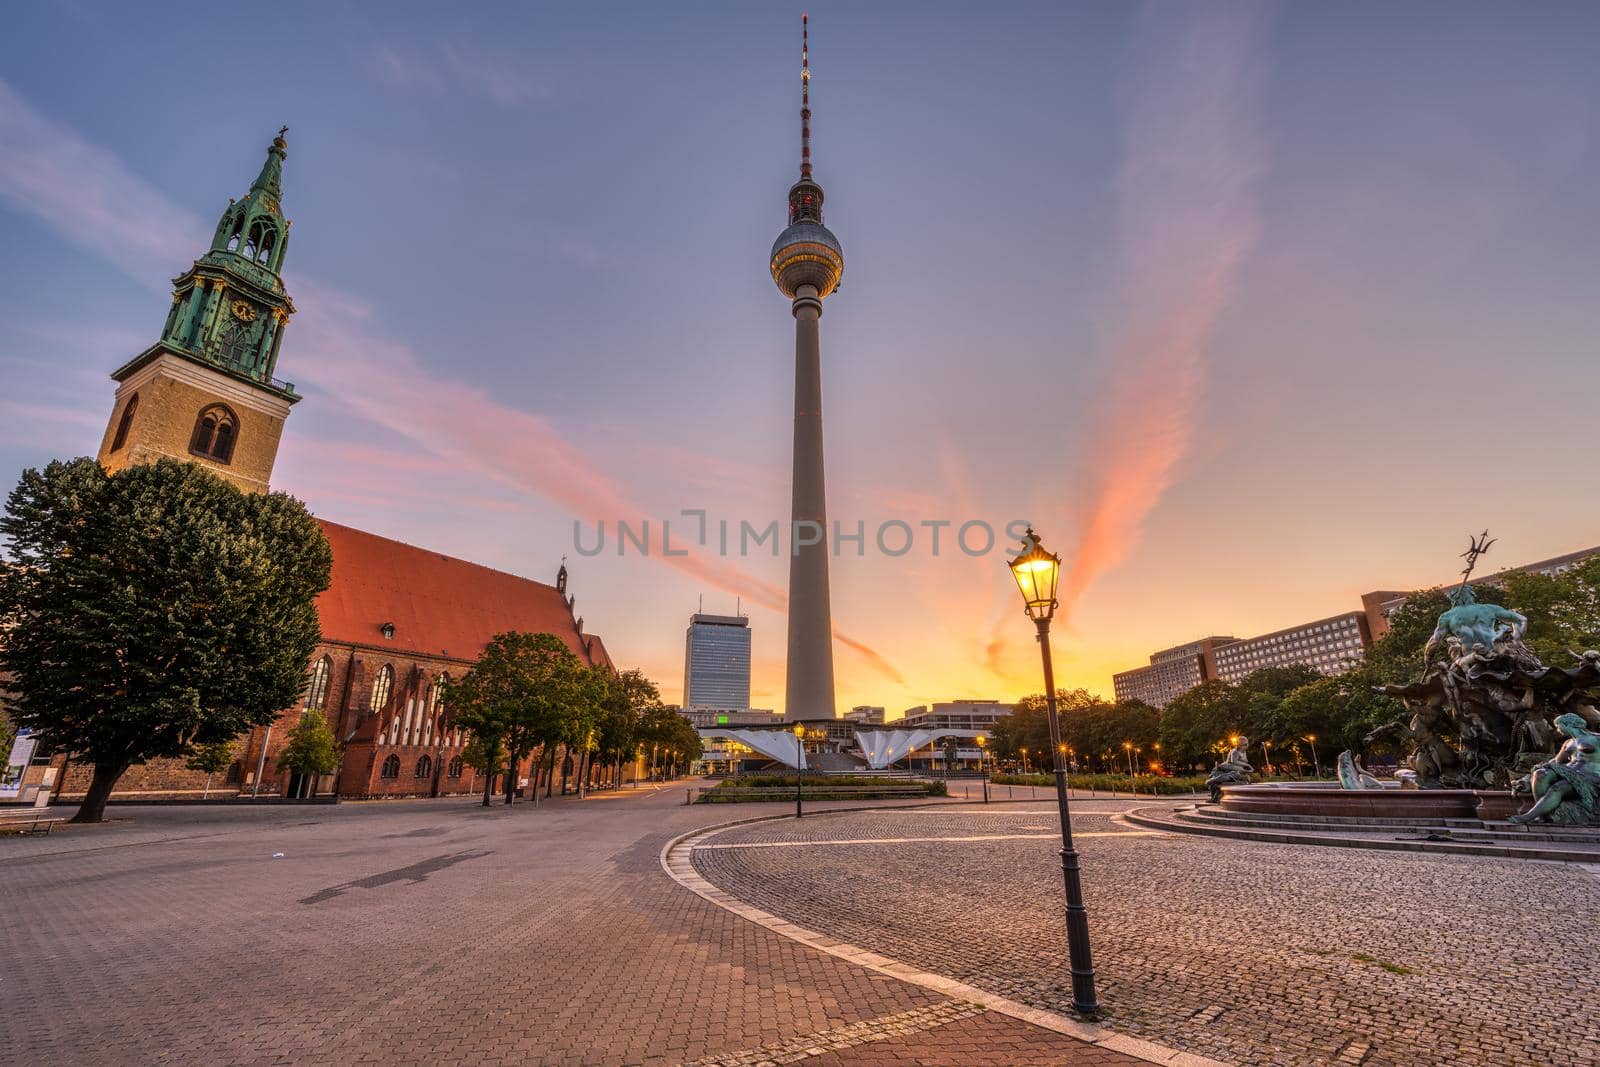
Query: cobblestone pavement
x,y
433,931
1246,952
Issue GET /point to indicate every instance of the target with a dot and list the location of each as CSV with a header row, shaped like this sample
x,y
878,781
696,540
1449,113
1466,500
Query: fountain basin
x,y
1353,803
1489,805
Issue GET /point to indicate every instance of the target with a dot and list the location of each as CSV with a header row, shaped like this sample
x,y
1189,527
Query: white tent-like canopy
x,y
781,745
883,747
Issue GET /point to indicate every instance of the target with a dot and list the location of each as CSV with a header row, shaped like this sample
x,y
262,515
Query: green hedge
x,y
1150,784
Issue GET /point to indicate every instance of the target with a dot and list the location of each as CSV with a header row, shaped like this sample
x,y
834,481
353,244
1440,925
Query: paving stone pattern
x,y
1245,952
408,932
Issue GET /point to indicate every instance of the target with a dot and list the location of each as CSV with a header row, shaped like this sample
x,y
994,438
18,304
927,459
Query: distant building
x,y
716,662
721,753
1171,673
976,715
865,713
955,714
1329,646
702,715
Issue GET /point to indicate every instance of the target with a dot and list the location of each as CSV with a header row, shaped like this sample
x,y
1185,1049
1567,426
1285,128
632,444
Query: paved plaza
x,y
436,931
412,931
1244,952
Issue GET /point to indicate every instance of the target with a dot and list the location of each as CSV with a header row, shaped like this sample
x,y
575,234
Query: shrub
x,y
1151,784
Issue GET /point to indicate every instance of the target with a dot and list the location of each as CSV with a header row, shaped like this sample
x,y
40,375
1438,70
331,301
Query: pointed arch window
x,y
263,236
317,690
424,767
382,686
215,433
391,767
454,770
125,423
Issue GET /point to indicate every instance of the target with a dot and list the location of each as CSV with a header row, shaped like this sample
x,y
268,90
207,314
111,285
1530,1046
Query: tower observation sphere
x,y
807,254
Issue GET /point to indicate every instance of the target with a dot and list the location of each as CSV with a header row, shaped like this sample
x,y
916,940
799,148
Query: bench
x,y
29,822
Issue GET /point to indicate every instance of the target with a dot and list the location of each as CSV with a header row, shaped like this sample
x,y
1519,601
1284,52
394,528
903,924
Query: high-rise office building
x,y
716,662
1329,646
1172,672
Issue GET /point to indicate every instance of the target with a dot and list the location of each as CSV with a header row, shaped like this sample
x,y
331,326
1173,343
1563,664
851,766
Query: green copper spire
x,y
230,309
254,227
270,180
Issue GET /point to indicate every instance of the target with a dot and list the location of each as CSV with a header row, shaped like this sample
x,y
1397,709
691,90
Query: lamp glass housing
x,y
1036,572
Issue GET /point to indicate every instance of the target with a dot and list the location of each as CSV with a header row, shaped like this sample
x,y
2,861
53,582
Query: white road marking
x,y
921,840
947,813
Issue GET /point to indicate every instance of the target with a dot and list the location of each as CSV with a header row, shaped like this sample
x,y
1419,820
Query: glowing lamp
x,y
1036,572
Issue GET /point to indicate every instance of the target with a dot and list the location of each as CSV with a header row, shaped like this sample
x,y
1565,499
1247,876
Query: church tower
x,y
205,392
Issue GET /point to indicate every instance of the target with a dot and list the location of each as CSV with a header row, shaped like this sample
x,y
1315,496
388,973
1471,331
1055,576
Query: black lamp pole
x,y
799,763
1036,572
1078,951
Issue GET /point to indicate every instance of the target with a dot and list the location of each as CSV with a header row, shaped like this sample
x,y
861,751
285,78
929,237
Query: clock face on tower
x,y
243,310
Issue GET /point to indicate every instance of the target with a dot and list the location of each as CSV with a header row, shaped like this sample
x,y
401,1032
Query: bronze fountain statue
x,y
1486,709
1235,769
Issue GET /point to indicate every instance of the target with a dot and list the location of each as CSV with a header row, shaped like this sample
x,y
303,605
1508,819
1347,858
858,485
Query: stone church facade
x,y
397,620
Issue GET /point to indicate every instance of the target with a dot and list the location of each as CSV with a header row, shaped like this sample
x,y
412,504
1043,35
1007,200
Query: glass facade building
x,y
716,662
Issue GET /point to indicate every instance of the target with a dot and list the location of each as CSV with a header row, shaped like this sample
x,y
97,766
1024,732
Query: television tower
x,y
806,264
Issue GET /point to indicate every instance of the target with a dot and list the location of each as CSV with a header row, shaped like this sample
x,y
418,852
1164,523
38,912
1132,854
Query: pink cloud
x,y
1187,218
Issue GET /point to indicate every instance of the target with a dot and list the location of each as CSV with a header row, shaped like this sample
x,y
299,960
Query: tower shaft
x,y
809,689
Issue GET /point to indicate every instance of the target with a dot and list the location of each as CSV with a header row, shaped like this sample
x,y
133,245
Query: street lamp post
x,y
799,764
1266,757
1036,572
1133,783
1024,759
1316,763
983,750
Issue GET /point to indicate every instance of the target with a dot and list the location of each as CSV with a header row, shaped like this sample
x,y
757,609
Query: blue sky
x,y
1250,308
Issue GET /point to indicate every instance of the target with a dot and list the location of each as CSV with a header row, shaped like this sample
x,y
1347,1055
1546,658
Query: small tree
x,y
486,756
312,749
152,610
213,757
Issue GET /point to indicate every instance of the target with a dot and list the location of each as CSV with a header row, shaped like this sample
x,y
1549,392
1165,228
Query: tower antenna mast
x,y
805,98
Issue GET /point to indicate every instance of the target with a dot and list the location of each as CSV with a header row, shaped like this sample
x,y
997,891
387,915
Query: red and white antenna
x,y
805,98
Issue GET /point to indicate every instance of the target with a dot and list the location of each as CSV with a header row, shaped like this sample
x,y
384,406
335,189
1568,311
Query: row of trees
x,y
529,692
1305,717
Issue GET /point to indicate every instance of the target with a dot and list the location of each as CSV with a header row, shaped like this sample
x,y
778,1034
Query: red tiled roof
x,y
439,605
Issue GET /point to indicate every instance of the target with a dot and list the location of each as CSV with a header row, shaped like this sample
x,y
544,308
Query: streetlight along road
x,y
1036,572
799,764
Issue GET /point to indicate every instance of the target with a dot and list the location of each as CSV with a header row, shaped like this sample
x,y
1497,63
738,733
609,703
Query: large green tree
x,y
153,610
1563,610
525,690
671,739
1196,725
627,700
